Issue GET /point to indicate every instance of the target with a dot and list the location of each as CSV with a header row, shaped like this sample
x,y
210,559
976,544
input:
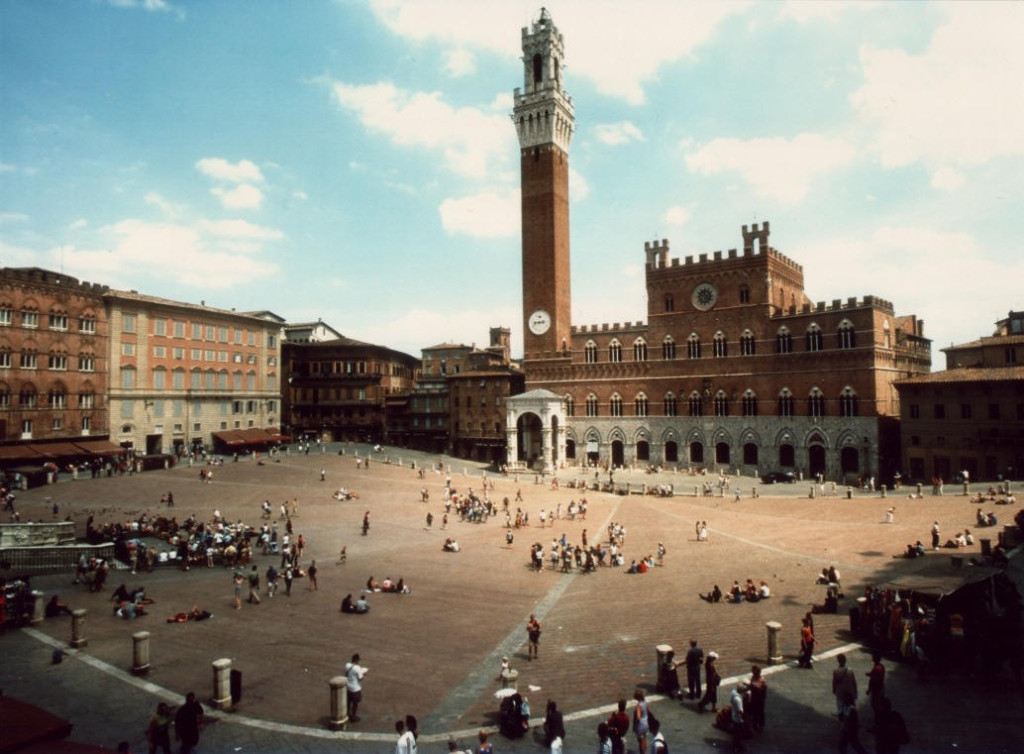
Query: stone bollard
x,y
339,703
813,493
662,651
883,492
221,684
849,493
510,679
140,653
696,491
774,655
919,489
753,491
37,608
967,490
77,628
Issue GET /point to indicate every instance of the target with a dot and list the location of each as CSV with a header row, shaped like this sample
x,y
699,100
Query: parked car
x,y
772,477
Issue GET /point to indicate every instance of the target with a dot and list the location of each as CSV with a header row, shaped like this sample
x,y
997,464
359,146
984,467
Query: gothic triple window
x,y
848,403
747,343
749,403
693,346
590,352
639,350
721,403
671,405
615,352
591,405
785,402
668,348
784,341
721,345
816,403
640,403
570,406
615,405
847,335
696,405
814,339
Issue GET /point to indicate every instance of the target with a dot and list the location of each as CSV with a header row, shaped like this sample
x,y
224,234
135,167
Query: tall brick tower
x,y
544,121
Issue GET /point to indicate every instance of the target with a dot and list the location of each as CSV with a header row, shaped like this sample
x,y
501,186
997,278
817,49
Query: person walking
x,y
554,728
354,673
239,582
289,576
254,585
158,732
641,721
849,733
711,681
533,634
844,686
806,645
757,691
876,684
311,573
188,723
737,718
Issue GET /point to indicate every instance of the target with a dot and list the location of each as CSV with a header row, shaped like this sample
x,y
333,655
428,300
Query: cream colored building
x,y
184,376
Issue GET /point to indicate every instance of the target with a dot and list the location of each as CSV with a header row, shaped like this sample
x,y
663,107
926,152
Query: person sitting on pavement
x,y
450,545
715,595
362,606
372,585
763,591
735,594
55,608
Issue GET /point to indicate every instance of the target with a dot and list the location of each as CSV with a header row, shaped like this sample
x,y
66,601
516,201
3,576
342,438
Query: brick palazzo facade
x,y
735,368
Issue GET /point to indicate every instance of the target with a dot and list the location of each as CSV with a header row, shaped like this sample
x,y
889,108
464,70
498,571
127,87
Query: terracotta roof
x,y
136,296
993,374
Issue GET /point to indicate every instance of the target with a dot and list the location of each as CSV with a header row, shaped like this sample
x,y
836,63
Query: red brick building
x,y
736,366
53,367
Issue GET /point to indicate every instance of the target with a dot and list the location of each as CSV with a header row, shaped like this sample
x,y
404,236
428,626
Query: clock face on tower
x,y
704,296
539,322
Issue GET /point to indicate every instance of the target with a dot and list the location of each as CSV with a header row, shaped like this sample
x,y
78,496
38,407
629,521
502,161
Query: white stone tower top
x,y
543,112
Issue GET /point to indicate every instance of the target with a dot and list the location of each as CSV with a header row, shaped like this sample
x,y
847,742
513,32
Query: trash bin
x,y
236,686
986,547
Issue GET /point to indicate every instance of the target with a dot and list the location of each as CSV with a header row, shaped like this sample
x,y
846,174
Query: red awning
x,y
98,446
18,453
56,449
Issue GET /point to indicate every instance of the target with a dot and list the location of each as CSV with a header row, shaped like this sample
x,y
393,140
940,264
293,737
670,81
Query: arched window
x,y
222,379
721,345
696,405
128,378
749,403
196,378
57,398
209,379
816,403
814,339
671,405
784,341
28,398
785,402
848,403
615,351
668,348
615,405
639,350
570,406
721,403
591,405
159,378
693,346
744,294
670,302
590,352
641,405
747,343
538,69
847,335
178,379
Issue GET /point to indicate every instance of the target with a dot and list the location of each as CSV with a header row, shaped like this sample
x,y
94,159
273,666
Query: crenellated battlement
x,y
755,244
49,277
606,328
820,307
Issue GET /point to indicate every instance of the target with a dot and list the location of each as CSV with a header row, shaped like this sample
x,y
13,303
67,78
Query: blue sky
x,y
354,159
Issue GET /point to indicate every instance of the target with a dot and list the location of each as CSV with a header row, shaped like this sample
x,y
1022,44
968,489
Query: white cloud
x,y
18,256
617,133
169,208
777,168
920,270
300,195
947,179
415,329
243,196
459,62
207,254
79,224
579,188
471,141
677,215
6,167
486,215
153,6
607,45
10,218
220,169
945,106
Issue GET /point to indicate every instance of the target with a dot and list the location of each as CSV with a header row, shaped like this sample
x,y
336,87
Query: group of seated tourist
x,y
915,550
748,592
986,519
999,496
386,586
450,545
963,539
828,576
360,606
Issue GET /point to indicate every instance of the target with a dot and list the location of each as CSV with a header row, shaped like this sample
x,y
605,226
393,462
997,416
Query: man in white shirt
x,y
354,676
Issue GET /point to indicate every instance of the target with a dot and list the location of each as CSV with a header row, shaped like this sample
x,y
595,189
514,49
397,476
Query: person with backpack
x,y
618,727
658,744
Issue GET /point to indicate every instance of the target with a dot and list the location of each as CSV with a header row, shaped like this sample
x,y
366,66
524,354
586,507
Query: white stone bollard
x,y
774,655
140,653
221,684
339,703
37,608
78,628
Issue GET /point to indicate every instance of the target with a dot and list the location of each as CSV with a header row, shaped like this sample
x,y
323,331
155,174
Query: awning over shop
x,y
237,438
98,446
18,453
57,449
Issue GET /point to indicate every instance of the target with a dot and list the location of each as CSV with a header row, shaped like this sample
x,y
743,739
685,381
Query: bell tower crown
x,y
543,112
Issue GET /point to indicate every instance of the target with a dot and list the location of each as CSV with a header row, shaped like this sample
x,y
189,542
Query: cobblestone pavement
x,y
436,652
